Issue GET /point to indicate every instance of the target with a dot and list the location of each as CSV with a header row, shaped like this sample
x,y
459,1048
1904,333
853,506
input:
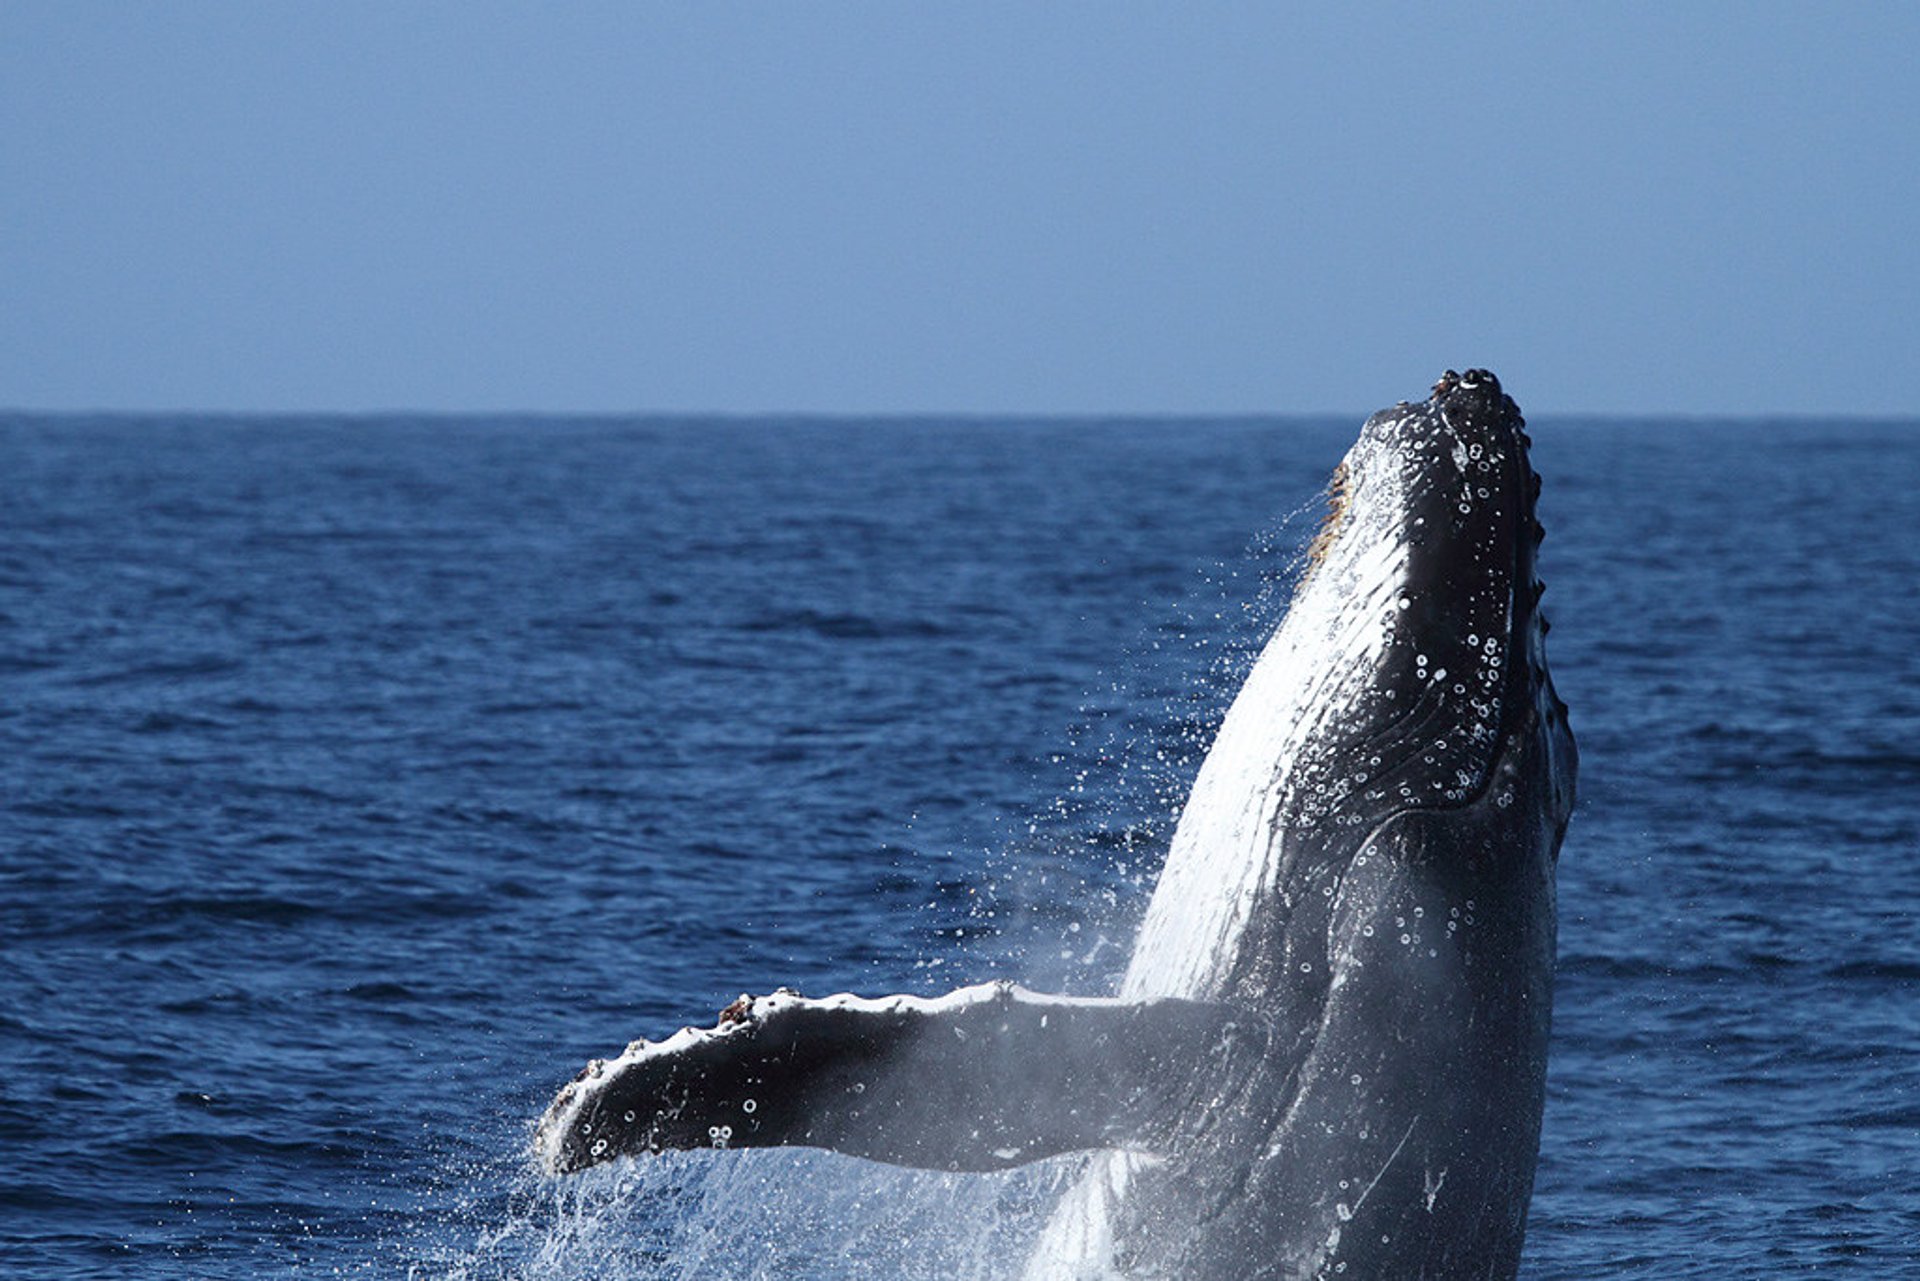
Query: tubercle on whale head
x,y
1451,477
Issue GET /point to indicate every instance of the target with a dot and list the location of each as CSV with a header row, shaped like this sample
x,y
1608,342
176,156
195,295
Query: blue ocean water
x,y
360,779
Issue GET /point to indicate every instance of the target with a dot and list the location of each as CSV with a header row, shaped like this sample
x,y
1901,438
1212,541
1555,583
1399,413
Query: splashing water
x,y
759,1215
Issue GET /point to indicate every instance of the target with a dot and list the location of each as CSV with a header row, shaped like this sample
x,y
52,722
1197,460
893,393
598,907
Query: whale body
x,y
1328,1054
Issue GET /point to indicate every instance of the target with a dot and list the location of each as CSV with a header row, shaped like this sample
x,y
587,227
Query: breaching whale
x,y
1328,1054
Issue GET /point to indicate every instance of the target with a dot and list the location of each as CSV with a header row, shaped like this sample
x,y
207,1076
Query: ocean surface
x,y
361,778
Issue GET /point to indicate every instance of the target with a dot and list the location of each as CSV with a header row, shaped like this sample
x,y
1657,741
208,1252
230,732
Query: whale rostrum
x,y
1327,1057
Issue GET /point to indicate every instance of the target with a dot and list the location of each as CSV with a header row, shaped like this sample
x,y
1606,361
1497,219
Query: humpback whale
x,y
1327,1057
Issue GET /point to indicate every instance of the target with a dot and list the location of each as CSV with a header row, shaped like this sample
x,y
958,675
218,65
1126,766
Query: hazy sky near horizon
x,y
1705,207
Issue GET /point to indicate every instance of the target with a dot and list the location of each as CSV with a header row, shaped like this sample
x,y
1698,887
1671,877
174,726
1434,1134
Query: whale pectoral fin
x,y
984,1078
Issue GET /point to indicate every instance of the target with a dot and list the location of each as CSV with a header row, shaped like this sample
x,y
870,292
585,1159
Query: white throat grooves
x,y
1324,657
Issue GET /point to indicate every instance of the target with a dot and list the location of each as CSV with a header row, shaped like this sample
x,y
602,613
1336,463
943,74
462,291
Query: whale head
x,y
1409,674
1432,539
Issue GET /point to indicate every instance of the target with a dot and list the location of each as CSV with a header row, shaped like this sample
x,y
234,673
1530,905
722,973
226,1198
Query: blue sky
x,y
927,207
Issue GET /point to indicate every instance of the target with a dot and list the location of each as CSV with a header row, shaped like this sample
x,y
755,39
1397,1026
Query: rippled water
x,y
360,779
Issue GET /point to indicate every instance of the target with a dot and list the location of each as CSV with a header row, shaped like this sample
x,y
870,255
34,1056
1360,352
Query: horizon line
x,y
1086,416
